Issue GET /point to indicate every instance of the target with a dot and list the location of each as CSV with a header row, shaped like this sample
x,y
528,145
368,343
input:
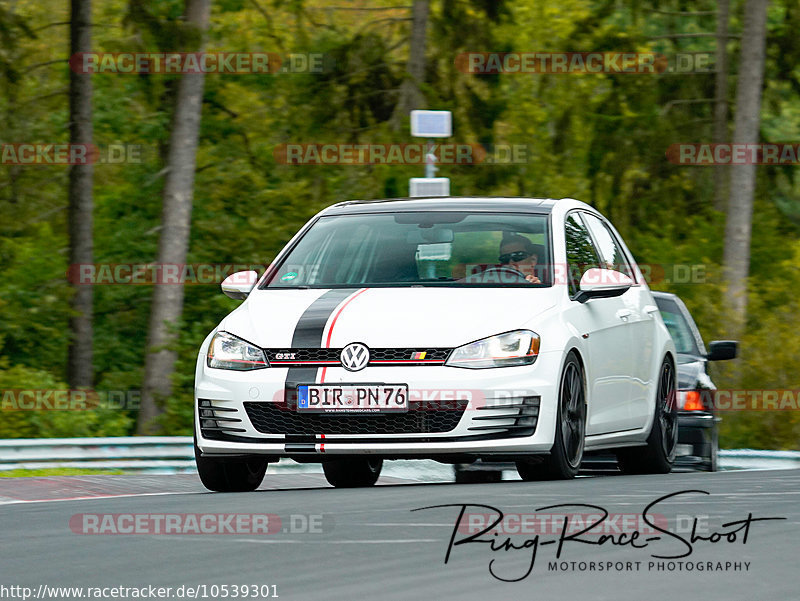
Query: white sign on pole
x,y
431,124
429,186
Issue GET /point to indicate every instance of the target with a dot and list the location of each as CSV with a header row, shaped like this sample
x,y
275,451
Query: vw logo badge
x,y
355,356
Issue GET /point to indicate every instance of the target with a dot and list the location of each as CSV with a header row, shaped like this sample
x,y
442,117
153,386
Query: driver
x,y
521,254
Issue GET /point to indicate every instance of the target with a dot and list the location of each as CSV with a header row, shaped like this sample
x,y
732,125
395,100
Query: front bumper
x,y
487,426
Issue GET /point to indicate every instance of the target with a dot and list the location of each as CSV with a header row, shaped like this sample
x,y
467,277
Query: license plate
x,y
361,398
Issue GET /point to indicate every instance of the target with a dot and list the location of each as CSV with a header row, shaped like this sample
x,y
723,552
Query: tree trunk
x,y
411,96
173,246
720,133
743,177
79,362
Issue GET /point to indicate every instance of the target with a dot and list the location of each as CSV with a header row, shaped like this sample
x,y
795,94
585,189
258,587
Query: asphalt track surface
x,y
369,544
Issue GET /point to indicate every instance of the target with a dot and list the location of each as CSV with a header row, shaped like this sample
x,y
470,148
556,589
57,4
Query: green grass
x,y
57,471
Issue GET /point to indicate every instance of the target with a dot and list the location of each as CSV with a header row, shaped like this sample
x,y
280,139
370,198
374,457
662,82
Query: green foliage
x,y
18,422
60,471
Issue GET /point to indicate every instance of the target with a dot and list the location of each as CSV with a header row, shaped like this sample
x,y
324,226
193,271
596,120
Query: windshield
x,y
678,328
441,248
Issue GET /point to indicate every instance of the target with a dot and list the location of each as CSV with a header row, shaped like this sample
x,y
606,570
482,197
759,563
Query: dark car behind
x,y
698,422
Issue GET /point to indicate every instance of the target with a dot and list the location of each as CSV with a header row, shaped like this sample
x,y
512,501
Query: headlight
x,y
229,352
504,350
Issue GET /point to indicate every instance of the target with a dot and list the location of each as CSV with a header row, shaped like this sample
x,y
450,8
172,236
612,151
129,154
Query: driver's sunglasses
x,y
516,257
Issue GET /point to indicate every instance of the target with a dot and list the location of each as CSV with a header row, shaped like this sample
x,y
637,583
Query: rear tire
x,y
230,474
565,457
352,473
659,454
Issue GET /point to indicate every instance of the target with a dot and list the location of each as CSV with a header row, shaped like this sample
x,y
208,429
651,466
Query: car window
x,y
581,253
434,248
677,325
608,247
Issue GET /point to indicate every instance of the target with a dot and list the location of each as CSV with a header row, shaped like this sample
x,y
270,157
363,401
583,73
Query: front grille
x,y
321,357
421,418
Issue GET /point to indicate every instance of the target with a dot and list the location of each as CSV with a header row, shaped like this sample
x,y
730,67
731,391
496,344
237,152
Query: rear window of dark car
x,y
677,325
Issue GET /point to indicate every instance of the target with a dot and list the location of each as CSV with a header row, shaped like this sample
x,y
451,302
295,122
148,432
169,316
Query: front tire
x,y
659,454
352,473
230,474
565,457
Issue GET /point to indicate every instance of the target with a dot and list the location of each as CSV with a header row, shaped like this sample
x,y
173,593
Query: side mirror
x,y
602,283
722,350
238,285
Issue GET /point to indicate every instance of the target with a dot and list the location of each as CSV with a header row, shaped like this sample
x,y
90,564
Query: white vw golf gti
x,y
439,328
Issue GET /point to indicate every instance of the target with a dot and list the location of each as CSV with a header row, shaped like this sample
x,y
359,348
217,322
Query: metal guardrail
x,y
174,454
758,459
756,454
150,453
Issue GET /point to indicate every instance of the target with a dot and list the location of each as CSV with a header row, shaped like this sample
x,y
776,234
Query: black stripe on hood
x,y
308,334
